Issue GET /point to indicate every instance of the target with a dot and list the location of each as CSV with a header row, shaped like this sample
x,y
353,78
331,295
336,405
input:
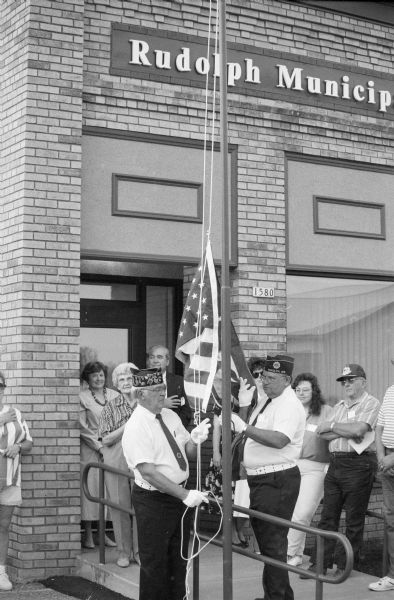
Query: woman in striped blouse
x,y
113,419
14,440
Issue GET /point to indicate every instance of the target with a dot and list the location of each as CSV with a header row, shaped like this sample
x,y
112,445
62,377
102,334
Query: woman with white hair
x,y
113,419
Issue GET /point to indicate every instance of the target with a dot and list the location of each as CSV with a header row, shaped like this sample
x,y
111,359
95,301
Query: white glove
x,y
238,423
245,393
200,433
195,497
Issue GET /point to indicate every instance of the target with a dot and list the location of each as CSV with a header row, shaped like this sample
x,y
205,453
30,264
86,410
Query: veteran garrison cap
x,y
281,363
147,378
351,370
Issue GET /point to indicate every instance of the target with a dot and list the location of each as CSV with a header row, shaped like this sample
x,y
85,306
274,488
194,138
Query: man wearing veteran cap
x,y
274,435
156,446
352,465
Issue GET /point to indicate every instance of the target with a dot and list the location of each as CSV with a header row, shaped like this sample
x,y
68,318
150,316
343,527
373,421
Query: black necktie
x,y
242,448
174,446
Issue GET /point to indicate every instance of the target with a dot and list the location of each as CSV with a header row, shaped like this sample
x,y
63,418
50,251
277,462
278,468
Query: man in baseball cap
x,y
352,465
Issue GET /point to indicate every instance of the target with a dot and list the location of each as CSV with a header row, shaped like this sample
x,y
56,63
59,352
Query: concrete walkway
x,y
246,579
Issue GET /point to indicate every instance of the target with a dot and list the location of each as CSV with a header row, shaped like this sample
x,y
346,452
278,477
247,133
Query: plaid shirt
x,y
115,413
362,410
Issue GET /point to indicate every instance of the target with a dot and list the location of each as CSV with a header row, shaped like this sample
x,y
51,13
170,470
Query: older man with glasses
x,y
352,465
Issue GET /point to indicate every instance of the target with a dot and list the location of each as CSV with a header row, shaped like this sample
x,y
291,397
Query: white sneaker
x,y
5,583
383,585
295,560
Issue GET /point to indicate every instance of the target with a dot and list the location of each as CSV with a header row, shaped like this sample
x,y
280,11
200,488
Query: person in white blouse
x,y
313,462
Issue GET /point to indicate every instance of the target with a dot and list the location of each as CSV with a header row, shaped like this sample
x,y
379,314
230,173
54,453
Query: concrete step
x,y
246,578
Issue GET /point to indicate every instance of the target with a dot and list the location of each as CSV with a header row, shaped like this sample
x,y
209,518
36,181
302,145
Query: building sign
x,y
144,53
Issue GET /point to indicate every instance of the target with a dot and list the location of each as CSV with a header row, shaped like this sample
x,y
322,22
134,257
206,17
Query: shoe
x,y
123,562
136,558
338,572
5,583
295,560
311,570
383,585
242,544
110,543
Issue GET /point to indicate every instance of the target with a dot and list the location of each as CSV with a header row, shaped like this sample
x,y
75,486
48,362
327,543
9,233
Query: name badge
x,y
311,427
351,414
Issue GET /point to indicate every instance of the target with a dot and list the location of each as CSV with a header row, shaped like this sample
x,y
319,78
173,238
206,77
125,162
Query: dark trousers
x,y
274,494
159,525
347,485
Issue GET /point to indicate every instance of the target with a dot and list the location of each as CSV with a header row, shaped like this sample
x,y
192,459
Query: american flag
x,y
198,344
198,338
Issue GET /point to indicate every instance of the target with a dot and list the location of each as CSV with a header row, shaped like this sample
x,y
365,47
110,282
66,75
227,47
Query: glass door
x,y
113,325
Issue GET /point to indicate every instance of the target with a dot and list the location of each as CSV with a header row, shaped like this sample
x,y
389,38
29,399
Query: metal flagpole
x,y
225,319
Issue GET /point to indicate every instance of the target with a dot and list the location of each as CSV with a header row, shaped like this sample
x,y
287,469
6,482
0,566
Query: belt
x,y
147,486
350,454
269,469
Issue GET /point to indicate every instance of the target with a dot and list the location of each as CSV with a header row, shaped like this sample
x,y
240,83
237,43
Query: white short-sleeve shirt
x,y
286,415
144,441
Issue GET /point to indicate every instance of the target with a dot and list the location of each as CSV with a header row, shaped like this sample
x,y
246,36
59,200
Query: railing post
x,y
385,557
319,566
101,526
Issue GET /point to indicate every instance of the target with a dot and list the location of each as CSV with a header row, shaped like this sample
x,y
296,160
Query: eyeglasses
x,y
350,380
2,386
302,390
257,374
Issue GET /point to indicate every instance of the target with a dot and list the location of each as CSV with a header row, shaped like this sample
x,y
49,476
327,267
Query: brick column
x,y
41,62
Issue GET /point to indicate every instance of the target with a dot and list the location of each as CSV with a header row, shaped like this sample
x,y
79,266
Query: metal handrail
x,y
321,534
101,500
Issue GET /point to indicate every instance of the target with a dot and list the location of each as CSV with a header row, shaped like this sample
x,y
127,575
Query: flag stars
x,y
184,321
195,324
188,308
205,317
201,285
204,300
194,296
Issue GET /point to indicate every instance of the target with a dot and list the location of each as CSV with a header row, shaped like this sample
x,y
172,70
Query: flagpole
x,y
225,319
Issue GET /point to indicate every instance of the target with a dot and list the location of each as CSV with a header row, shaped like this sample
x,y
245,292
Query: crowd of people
x,y
299,452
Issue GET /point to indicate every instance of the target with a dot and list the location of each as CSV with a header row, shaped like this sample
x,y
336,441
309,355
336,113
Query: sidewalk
x,y
246,580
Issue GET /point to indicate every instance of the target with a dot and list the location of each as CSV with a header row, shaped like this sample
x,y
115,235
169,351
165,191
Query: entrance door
x,y
119,321
113,325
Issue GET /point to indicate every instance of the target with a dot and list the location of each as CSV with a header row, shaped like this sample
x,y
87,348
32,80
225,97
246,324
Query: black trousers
x,y
347,485
274,494
159,525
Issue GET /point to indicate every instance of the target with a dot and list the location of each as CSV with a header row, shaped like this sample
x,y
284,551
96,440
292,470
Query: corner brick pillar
x,y
41,63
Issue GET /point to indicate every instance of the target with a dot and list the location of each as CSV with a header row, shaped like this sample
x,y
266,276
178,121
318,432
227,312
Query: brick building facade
x,y
87,126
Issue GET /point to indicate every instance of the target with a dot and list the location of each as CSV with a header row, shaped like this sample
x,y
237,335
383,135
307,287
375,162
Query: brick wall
x,y
41,63
51,52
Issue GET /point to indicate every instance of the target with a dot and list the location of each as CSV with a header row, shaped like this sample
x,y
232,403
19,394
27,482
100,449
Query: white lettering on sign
x,y
295,80
246,71
142,55
263,292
